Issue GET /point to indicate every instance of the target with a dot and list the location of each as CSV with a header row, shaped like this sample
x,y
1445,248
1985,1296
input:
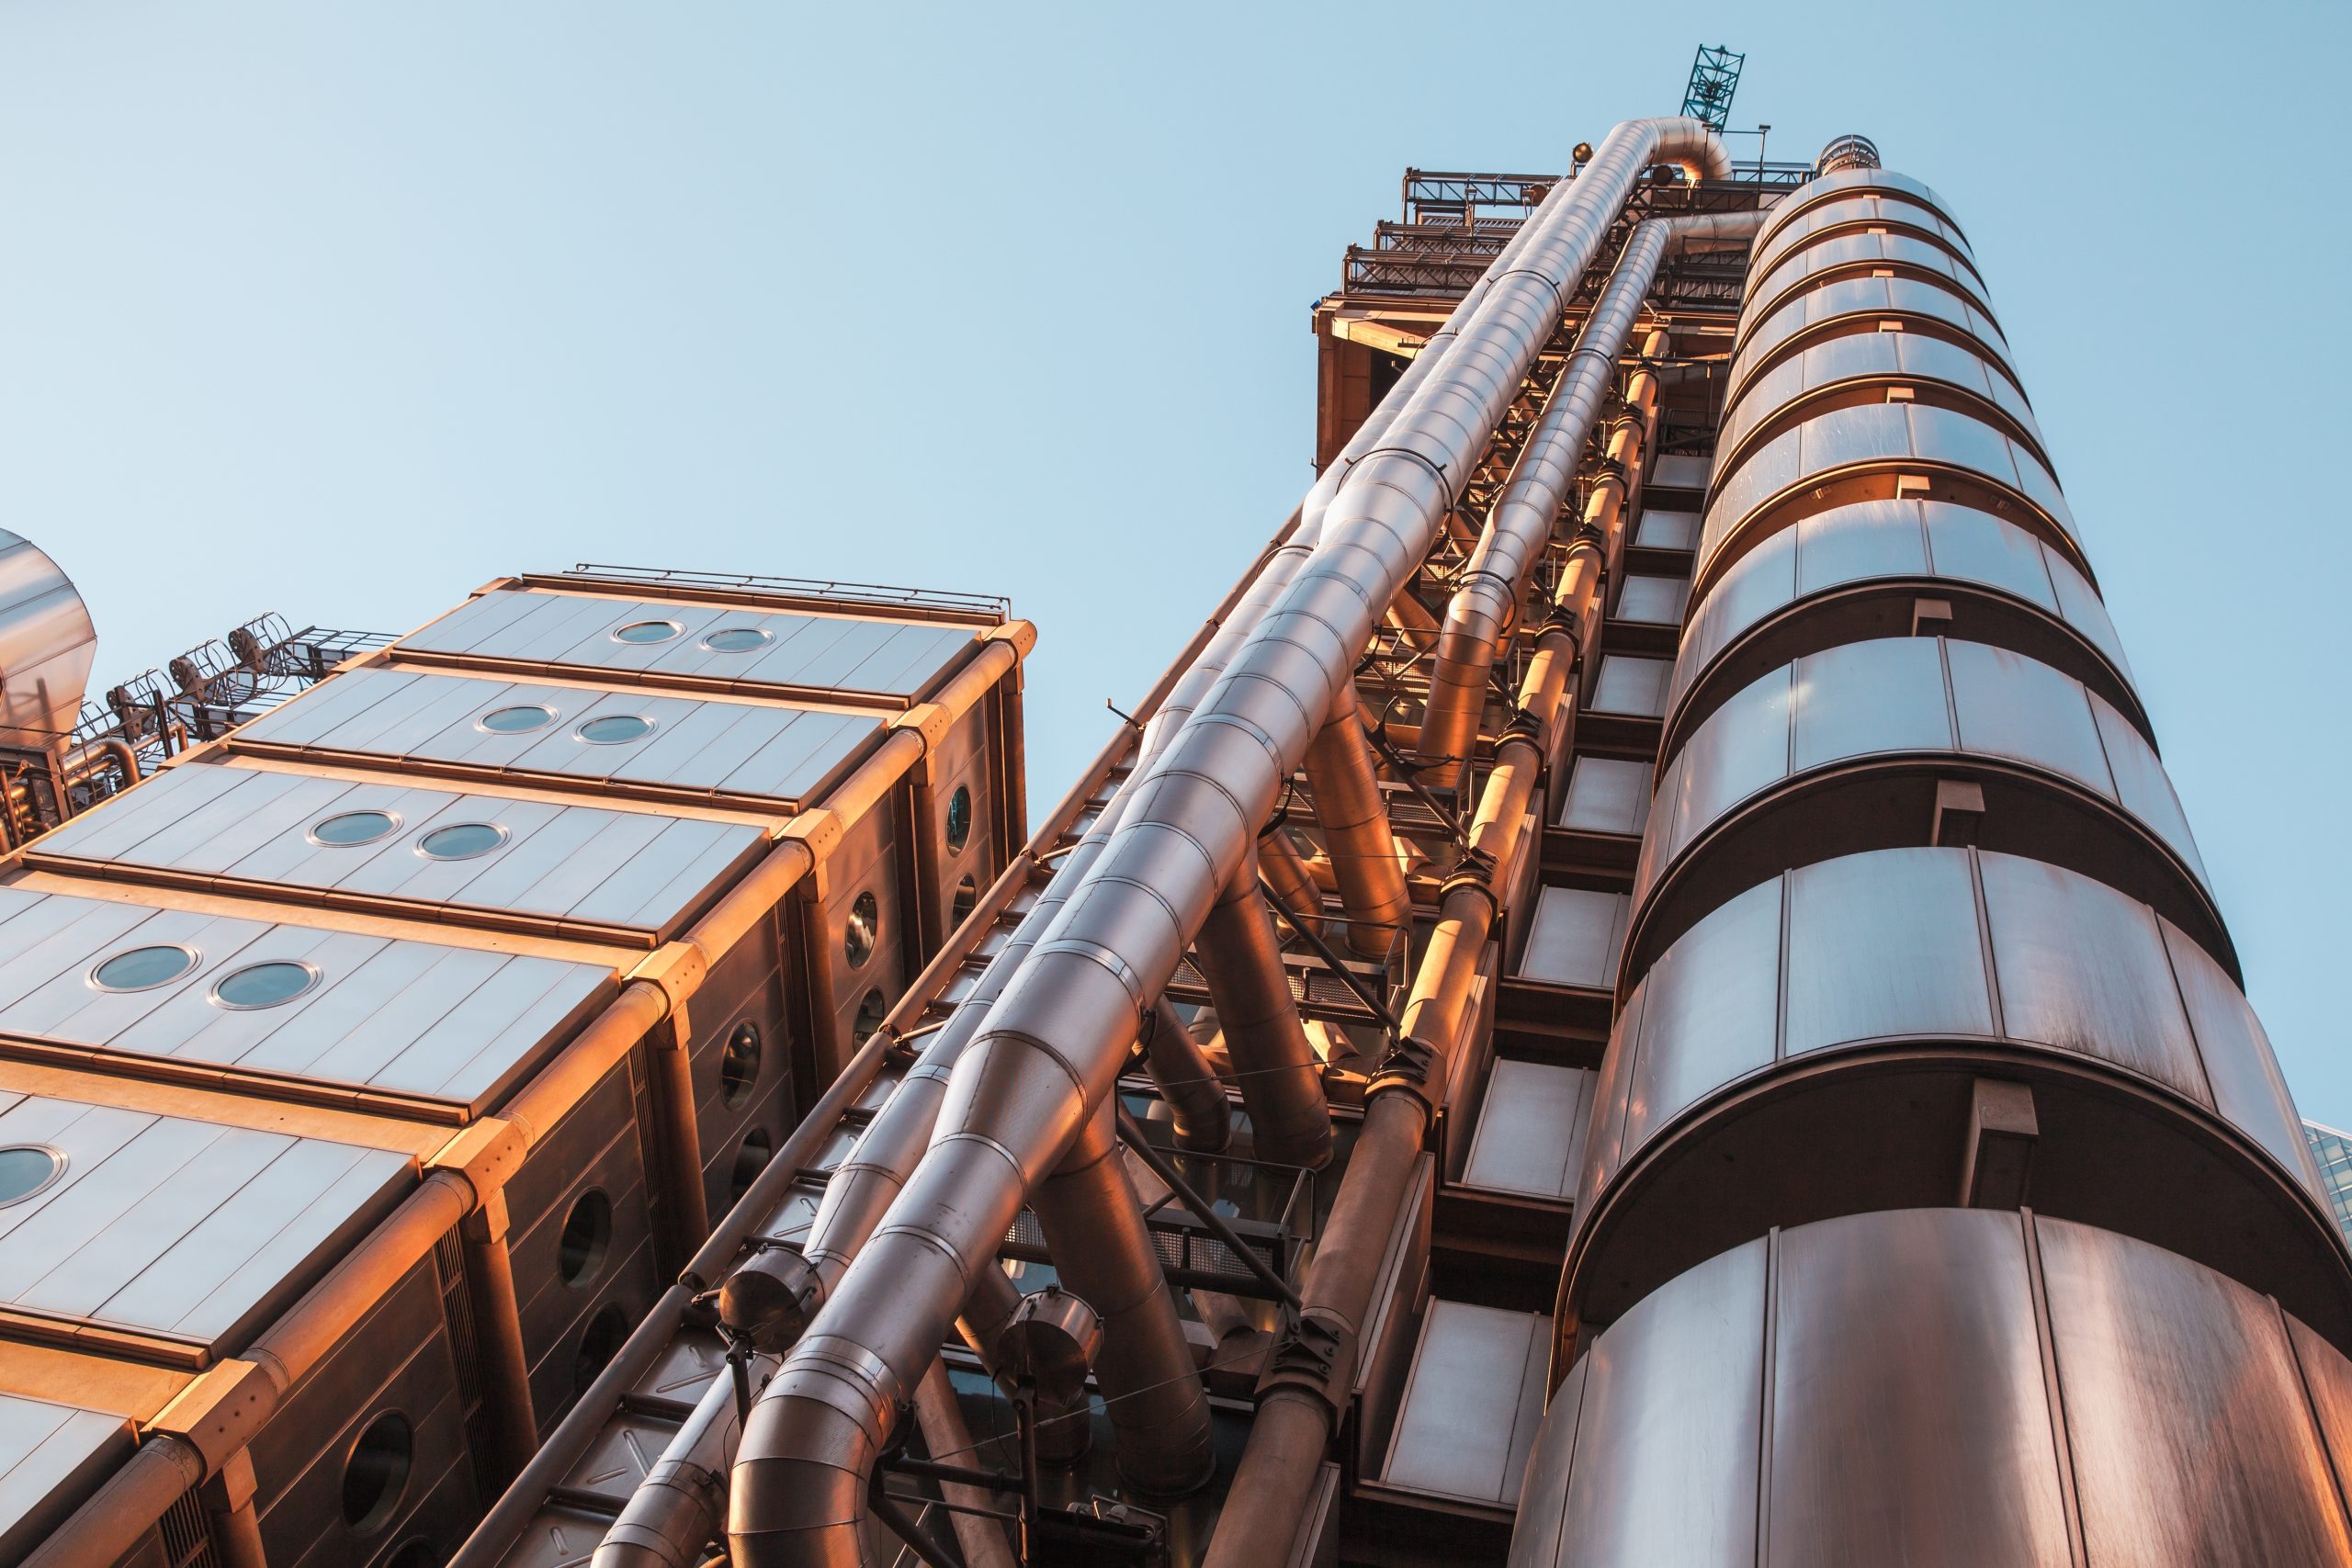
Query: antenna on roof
x,y
1714,76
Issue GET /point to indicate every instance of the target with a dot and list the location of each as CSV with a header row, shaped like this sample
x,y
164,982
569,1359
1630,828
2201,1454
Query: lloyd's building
x,y
1638,997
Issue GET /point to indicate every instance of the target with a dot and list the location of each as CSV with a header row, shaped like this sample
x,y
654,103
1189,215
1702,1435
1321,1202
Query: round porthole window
x,y
751,1157
865,927
736,639
376,1473
461,840
264,985
959,819
143,968
346,828
615,729
587,1236
648,632
870,1014
605,1334
738,1066
968,899
520,719
27,1169
416,1553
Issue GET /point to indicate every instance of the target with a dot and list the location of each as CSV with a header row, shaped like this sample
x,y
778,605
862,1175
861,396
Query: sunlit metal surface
x,y
1940,962
1936,709
46,647
1952,1387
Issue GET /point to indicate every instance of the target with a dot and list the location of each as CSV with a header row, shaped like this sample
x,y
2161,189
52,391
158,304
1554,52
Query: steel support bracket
x,y
487,1151
218,1413
678,968
1315,1353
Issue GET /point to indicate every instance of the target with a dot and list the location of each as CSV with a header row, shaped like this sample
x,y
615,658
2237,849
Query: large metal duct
x,y
1161,1422
1282,1082
1353,816
1055,1042
46,647
1189,1086
1480,613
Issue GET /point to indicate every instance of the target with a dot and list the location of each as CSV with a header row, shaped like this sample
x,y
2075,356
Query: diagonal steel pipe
x,y
1046,1058
1478,617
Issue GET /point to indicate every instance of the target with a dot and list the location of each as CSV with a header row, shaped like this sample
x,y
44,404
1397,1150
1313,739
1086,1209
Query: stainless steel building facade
x,y
1637,995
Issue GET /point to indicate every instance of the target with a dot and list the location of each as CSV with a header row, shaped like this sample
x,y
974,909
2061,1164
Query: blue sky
x,y
341,310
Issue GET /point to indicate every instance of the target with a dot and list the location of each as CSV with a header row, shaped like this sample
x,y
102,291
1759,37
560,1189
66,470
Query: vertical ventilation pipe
x,y
1281,1079
1479,615
1304,1393
1030,1083
1354,818
1187,1083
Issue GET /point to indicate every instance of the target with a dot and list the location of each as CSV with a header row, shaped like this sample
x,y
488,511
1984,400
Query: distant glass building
x,y
2333,1150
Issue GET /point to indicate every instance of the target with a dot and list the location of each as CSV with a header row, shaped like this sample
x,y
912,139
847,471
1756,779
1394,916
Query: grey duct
x,y
1479,615
1281,1079
1033,1079
1188,1084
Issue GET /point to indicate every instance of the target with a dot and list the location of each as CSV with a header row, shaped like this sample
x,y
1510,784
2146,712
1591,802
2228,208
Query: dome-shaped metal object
x,y
46,647
1052,1339
1849,151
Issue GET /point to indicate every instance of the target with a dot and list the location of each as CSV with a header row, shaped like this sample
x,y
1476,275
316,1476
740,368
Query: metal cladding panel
x,y
1926,1408
1471,1404
635,869
1607,794
1713,1001
1670,1426
1871,436
2242,1071
51,1455
1903,1341
1886,946
1856,305
1575,939
2107,987
406,1017
1889,540
1531,1130
1909,358
1857,212
1850,251
180,1228
895,659
1899,696
1847,918
1882,192
710,745
2193,1439
1544,1490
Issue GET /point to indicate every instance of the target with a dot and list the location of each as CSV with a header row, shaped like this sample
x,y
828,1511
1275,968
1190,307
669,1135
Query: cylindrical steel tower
x,y
1918,928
